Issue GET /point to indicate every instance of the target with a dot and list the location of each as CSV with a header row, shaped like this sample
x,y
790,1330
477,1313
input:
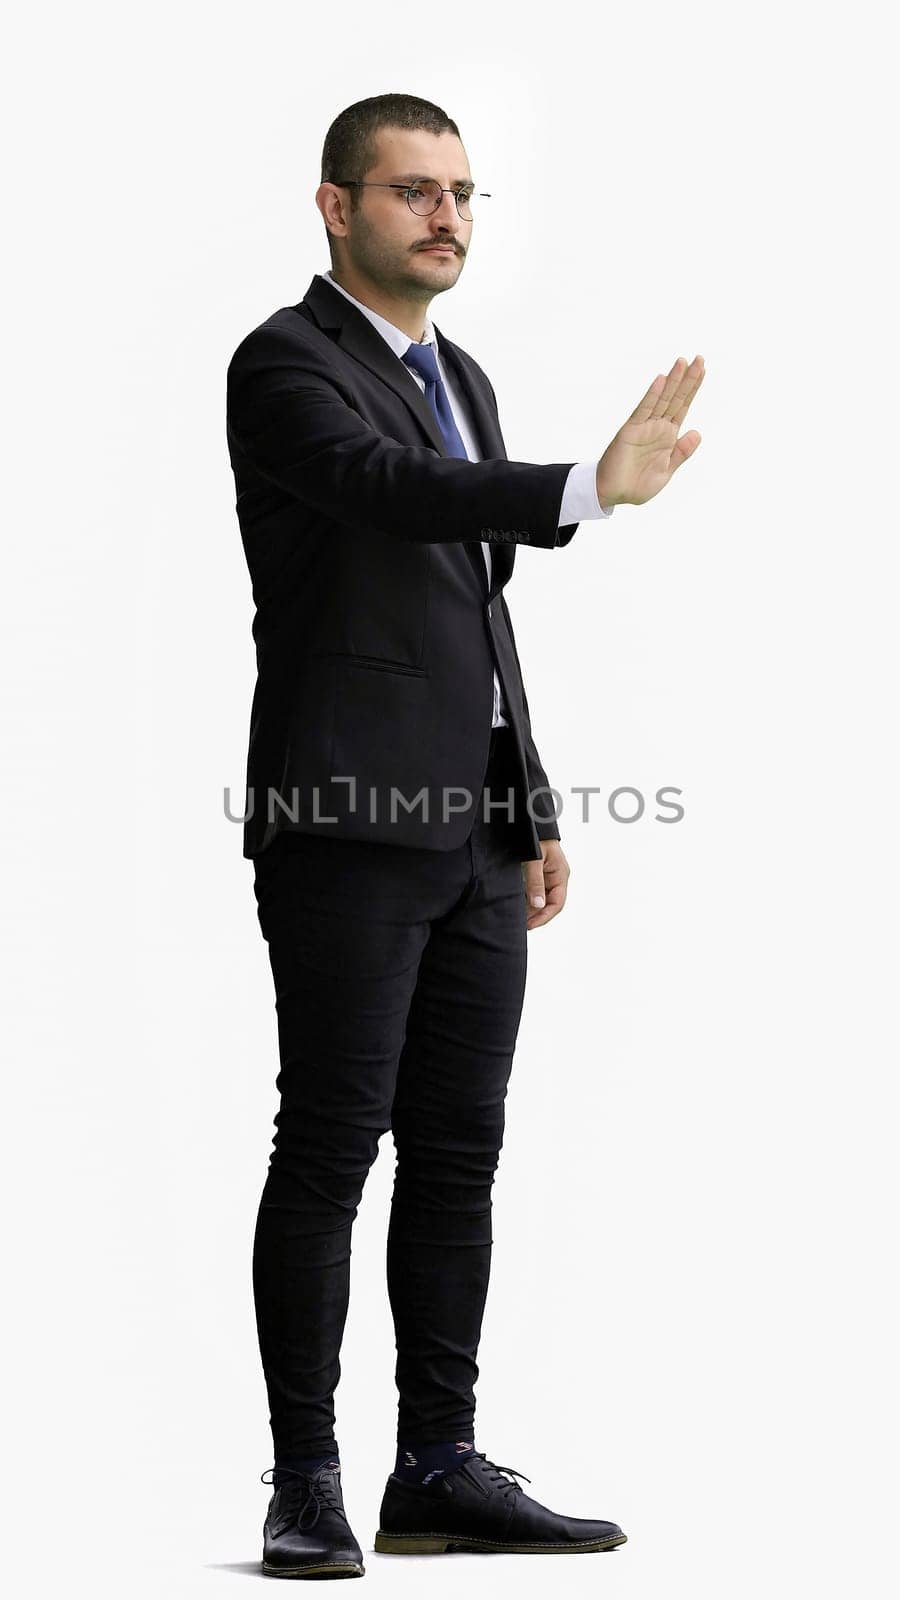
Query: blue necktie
x,y
422,359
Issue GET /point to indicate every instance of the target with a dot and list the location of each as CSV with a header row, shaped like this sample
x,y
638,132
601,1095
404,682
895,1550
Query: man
x,y
398,816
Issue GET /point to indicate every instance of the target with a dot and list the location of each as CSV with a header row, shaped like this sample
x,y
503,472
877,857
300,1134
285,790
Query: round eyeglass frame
x,y
365,183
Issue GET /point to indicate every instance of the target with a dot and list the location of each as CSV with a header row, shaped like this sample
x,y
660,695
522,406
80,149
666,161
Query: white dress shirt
x,y
579,500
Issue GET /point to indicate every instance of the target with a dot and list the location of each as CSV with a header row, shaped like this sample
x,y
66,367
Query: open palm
x,y
647,450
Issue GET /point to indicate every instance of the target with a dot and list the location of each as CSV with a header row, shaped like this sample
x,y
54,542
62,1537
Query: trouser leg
x,y
448,1121
345,923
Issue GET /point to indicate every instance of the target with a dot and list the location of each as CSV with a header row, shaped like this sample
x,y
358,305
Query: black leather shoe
x,y
306,1532
475,1508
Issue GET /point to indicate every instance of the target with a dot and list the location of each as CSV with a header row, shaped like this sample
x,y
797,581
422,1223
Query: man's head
x,y
373,235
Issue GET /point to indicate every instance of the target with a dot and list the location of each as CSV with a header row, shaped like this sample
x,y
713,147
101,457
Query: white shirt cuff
x,y
579,500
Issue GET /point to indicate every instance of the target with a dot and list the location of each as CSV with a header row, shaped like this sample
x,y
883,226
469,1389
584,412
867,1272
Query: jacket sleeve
x,y
288,418
547,826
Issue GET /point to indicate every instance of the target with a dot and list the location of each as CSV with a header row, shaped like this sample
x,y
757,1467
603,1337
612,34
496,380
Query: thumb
x,y
683,448
534,882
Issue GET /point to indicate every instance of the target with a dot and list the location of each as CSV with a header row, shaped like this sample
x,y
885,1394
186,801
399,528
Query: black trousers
x,y
399,980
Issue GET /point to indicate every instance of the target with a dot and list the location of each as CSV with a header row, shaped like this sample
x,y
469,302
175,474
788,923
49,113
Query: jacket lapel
x,y
358,338
356,335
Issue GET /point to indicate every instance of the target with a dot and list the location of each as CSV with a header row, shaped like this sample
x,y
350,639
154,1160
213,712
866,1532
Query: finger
x,y
663,391
693,378
645,405
556,899
536,919
670,388
684,380
533,874
556,869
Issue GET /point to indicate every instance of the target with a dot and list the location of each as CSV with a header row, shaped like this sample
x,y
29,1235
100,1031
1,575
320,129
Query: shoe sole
x,y
333,1569
437,1544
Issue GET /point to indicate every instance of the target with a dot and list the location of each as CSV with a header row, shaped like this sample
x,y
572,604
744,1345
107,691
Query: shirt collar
x,y
396,338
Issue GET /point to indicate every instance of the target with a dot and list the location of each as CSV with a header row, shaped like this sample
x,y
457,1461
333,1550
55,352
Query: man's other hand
x,y
547,879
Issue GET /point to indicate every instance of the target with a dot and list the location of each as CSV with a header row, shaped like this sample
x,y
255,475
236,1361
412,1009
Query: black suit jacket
x,y
376,633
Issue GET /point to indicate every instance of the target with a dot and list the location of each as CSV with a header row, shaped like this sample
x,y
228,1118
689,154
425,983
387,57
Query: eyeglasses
x,y
423,197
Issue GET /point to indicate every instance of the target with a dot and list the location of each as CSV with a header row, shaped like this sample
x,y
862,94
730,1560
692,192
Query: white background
x,y
691,1325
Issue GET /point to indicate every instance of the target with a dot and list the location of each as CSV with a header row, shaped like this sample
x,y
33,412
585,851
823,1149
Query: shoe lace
x,y
313,1489
495,1475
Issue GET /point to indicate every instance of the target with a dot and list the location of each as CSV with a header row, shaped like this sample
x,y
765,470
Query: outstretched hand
x,y
647,450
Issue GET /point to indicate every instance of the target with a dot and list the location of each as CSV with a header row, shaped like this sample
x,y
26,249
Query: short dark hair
x,y
350,149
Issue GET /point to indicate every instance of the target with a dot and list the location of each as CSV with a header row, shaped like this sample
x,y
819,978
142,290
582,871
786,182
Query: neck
x,y
406,313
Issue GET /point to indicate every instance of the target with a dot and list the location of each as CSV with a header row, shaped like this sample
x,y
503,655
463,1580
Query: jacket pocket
x,y
381,664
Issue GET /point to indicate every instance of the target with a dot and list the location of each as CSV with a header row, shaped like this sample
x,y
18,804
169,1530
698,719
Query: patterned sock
x,y
300,1464
420,1463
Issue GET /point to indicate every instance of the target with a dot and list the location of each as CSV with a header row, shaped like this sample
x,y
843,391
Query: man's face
x,y
387,241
